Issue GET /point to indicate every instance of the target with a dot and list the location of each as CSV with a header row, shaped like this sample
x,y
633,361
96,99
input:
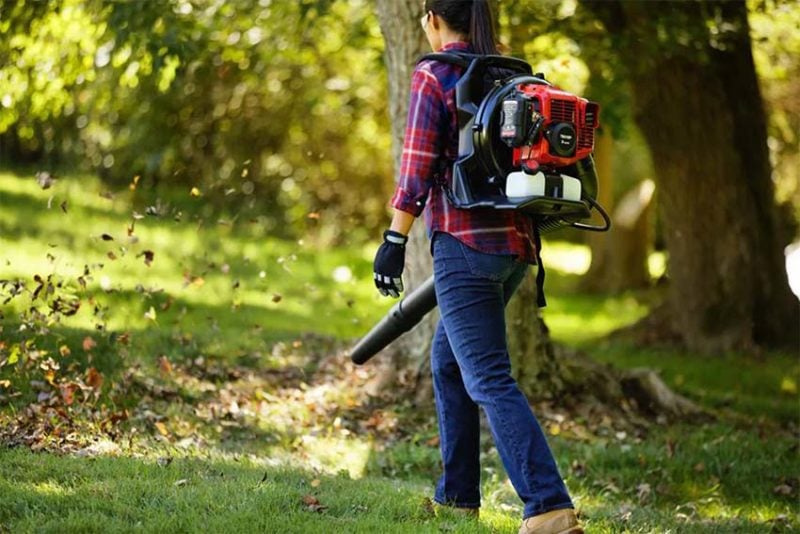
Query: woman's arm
x,y
402,221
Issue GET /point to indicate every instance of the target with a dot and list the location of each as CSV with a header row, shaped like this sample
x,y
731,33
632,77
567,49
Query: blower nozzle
x,y
401,318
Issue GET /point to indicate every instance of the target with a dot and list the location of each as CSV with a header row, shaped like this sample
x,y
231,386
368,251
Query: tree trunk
x,y
624,254
696,99
404,43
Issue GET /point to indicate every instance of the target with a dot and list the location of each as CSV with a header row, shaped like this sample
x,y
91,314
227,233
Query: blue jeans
x,y
471,369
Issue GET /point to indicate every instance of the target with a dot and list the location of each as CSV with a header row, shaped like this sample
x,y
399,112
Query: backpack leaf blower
x,y
524,145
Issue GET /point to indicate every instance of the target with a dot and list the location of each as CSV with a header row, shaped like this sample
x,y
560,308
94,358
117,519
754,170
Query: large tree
x,y
696,99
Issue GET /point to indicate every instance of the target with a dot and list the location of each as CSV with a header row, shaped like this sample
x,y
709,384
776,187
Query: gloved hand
x,y
389,262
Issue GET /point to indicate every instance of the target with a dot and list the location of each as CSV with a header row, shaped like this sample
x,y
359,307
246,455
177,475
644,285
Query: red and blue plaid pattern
x,y
431,139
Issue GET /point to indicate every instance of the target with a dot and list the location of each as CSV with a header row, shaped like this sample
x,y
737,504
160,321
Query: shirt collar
x,y
455,45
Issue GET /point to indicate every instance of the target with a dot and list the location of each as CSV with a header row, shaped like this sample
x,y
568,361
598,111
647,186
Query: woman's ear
x,y
435,21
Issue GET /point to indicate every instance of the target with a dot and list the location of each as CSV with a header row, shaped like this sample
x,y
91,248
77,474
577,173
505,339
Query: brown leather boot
x,y
555,522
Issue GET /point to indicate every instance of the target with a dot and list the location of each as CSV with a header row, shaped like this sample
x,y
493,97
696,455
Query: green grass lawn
x,y
241,413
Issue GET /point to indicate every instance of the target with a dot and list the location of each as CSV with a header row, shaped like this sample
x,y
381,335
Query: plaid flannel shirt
x,y
431,145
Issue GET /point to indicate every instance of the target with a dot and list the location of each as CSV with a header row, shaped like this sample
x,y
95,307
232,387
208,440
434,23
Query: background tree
x,y
697,101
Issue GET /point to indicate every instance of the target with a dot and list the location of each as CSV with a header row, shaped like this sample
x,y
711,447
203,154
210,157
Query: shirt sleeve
x,y
421,143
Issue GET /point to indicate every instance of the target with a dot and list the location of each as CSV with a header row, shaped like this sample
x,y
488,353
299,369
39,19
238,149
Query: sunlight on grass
x,y
335,455
284,286
48,488
576,319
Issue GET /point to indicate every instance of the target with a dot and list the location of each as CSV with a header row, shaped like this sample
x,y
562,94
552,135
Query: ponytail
x,y
472,18
481,28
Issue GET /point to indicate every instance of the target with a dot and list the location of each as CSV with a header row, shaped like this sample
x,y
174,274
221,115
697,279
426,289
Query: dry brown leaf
x,y
93,378
68,392
165,365
88,344
313,504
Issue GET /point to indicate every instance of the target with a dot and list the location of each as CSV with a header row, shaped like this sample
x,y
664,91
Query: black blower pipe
x,y
401,318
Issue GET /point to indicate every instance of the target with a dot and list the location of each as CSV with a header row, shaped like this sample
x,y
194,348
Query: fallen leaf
x,y
150,314
64,351
88,344
165,365
93,378
111,255
107,237
45,179
64,206
5,384
313,504
643,492
195,192
313,215
315,483
162,428
433,442
699,467
68,392
276,298
783,489
148,257
182,482
134,183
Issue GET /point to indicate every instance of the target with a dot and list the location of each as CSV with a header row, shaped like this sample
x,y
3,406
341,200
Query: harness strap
x,y
541,301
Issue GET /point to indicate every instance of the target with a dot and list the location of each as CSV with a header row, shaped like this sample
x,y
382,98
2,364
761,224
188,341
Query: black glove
x,y
389,262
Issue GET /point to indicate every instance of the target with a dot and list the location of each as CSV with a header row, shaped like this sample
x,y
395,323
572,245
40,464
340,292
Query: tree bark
x,y
696,99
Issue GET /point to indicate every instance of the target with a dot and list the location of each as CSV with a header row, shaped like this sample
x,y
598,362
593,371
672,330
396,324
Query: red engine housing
x,y
564,114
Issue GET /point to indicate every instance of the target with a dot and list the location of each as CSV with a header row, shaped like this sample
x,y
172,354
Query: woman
x,y
480,257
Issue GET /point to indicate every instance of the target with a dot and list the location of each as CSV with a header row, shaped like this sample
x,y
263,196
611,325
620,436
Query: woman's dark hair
x,y
472,18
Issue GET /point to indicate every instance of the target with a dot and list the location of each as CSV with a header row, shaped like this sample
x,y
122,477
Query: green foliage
x,y
277,104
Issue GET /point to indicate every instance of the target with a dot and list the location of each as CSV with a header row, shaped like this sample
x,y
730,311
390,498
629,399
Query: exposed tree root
x,y
638,395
